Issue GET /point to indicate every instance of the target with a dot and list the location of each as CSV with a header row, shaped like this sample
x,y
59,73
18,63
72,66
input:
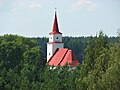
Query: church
x,y
57,55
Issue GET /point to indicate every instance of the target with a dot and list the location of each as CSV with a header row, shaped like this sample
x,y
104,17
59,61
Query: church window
x,y
49,53
57,38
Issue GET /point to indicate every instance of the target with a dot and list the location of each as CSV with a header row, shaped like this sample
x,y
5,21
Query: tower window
x,y
57,38
49,54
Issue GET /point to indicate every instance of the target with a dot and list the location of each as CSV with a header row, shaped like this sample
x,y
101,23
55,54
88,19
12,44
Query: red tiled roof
x,y
62,57
55,29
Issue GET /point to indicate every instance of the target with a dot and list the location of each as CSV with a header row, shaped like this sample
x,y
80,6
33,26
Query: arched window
x,y
57,38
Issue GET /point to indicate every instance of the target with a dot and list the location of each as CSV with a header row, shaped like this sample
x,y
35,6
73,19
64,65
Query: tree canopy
x,y
23,64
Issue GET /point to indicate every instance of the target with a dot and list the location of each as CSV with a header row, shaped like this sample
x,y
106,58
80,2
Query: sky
x,y
34,18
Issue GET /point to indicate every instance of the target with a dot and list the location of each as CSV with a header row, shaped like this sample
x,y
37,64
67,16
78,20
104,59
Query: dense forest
x,y
23,64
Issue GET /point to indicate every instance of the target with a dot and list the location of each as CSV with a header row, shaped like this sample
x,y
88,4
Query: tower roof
x,y
55,29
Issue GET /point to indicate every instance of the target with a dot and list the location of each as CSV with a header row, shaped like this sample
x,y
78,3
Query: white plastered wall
x,y
55,41
51,48
55,38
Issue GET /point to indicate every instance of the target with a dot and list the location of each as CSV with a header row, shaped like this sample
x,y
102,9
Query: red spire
x,y
55,29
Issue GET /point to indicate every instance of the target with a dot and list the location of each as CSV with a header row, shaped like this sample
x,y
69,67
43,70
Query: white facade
x,y
55,38
55,41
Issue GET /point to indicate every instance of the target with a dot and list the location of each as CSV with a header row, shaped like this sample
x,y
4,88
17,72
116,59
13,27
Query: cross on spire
x,y
55,11
55,8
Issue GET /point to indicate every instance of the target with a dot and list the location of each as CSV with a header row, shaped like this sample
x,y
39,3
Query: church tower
x,y
55,39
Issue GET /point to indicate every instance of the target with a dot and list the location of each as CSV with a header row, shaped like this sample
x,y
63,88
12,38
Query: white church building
x,y
57,55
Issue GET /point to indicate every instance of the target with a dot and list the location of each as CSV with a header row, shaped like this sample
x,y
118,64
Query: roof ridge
x,y
64,55
53,54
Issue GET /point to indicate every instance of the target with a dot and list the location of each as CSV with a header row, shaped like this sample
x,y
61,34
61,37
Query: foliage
x,y
101,63
23,64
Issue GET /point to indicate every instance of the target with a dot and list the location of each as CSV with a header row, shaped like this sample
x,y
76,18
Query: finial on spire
x,y
55,10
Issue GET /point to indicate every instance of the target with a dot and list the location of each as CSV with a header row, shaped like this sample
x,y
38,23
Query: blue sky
x,y
34,18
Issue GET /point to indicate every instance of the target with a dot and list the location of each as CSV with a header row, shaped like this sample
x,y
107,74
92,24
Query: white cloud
x,y
25,4
16,7
88,3
78,4
35,5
